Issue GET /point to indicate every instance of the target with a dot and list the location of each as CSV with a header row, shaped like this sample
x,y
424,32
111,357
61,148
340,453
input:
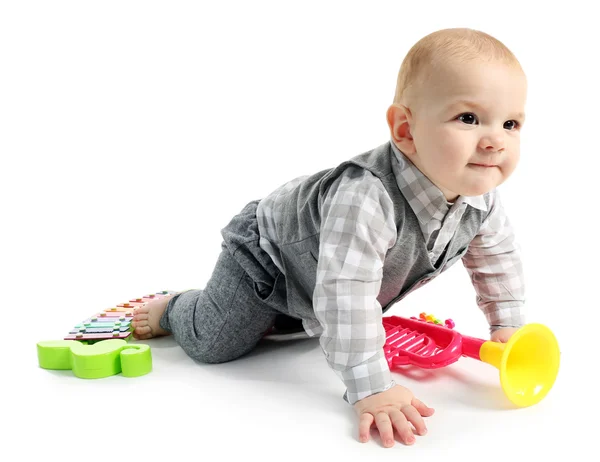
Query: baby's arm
x,y
494,263
357,229
503,334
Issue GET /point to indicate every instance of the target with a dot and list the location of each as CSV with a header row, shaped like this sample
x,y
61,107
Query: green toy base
x,y
98,360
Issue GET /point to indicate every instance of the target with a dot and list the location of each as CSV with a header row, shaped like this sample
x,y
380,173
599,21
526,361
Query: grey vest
x,y
407,265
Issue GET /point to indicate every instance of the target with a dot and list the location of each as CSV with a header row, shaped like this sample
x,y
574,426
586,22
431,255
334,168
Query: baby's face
x,y
466,127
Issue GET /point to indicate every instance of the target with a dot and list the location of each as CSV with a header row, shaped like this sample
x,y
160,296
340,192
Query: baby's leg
x,y
222,322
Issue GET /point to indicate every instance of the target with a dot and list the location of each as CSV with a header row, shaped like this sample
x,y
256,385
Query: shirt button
x,y
431,255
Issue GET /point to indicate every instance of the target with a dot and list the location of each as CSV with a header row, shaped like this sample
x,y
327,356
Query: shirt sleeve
x,y
357,229
493,262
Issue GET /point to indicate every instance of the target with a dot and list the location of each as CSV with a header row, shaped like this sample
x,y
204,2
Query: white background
x,y
130,133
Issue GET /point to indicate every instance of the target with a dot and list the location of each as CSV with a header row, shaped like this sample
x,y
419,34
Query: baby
x,y
331,252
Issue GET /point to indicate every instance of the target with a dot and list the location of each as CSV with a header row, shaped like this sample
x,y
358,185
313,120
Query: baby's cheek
x,y
455,144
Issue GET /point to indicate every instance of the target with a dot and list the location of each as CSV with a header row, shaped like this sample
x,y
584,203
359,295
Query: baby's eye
x,y
468,118
511,125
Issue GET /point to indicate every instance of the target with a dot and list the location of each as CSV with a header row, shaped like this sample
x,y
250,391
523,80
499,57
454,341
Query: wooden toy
x,y
99,346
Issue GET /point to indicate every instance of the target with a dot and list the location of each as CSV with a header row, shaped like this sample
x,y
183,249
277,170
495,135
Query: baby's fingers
x,y
402,426
414,417
364,427
423,409
386,431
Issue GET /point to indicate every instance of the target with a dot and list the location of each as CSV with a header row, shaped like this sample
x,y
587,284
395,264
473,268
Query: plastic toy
x,y
528,362
96,361
98,346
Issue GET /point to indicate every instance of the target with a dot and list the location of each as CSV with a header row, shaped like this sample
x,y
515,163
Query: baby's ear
x,y
399,119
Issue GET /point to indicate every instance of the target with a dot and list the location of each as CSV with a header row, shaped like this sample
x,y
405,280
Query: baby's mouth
x,y
483,165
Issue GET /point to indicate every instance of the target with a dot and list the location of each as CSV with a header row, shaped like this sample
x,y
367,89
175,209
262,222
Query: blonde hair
x,y
448,46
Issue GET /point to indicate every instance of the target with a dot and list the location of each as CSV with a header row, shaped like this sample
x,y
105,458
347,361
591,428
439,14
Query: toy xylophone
x,y
99,346
111,323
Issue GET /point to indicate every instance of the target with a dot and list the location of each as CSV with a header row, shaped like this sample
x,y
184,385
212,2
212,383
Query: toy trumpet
x,y
528,362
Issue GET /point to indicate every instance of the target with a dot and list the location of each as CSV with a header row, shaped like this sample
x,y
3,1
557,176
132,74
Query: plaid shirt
x,y
353,244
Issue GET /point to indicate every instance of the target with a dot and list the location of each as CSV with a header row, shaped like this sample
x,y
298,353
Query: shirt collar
x,y
425,198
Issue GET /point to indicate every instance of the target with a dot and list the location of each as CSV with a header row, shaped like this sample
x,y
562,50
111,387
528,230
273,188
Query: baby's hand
x,y
394,408
502,335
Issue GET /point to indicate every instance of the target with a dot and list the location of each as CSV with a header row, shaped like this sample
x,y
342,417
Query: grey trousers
x,y
240,303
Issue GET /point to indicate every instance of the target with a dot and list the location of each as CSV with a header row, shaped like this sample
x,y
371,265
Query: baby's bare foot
x,y
146,319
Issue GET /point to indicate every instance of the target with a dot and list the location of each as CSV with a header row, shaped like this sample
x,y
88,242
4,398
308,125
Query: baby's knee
x,y
216,354
210,357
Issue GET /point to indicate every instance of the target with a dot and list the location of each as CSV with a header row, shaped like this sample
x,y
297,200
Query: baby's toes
x,y
140,317
143,337
141,310
141,330
138,321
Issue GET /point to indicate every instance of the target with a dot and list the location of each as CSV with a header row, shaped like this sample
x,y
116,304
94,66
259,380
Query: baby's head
x,y
458,110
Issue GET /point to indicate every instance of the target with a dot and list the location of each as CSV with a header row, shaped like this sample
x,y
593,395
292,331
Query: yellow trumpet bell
x,y
528,363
